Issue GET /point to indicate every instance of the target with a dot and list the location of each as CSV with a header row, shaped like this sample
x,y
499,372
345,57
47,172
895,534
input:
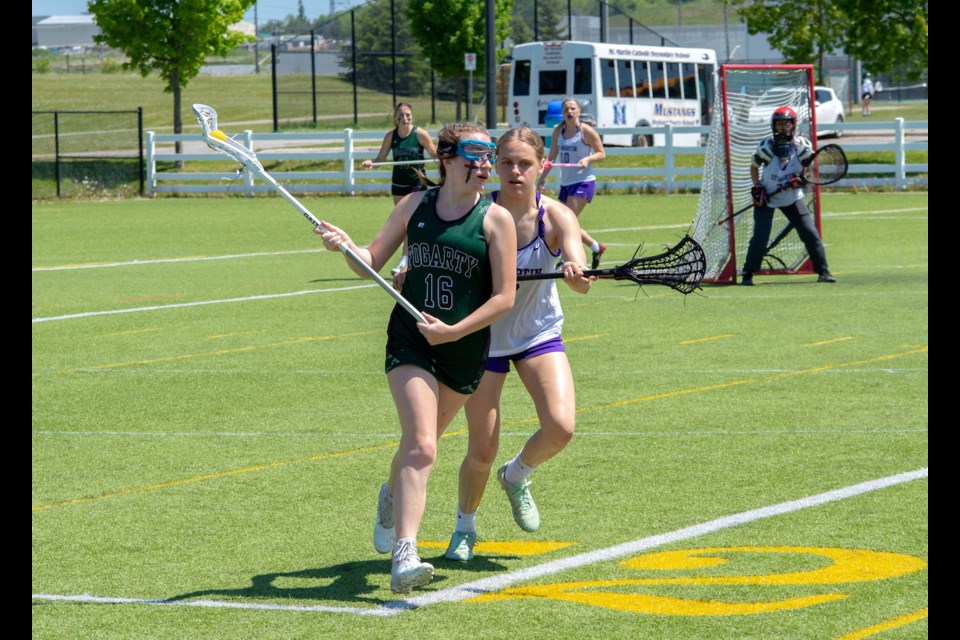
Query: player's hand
x,y
759,195
797,182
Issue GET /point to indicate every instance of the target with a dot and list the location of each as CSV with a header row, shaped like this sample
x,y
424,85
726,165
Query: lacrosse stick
x,y
550,165
681,268
828,165
395,162
218,140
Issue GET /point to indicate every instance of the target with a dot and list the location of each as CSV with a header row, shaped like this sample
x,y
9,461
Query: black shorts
x,y
402,190
866,95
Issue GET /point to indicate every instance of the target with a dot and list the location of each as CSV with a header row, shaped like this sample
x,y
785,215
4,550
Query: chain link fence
x,y
87,153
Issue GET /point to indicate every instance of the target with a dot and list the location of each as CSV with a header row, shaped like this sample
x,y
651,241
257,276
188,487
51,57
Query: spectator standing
x,y
866,94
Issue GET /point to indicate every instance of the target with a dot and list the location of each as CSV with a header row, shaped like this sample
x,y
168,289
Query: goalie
x,y
777,175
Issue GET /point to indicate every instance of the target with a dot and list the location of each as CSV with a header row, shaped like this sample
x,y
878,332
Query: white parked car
x,y
829,111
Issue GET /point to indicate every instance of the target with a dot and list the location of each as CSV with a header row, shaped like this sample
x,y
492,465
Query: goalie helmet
x,y
783,140
784,113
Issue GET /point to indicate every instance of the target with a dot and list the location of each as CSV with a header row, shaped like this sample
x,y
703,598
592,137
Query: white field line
x,y
718,295
295,293
110,312
502,581
580,434
99,265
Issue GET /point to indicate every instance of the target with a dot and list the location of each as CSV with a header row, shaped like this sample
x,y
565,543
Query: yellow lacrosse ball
x,y
219,135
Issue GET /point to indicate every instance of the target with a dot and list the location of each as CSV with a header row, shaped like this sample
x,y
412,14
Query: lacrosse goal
x,y
746,97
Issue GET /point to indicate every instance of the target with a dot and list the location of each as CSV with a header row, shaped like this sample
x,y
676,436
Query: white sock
x,y
466,522
517,470
595,246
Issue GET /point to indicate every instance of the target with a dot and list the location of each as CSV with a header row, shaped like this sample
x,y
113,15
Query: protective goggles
x,y
477,150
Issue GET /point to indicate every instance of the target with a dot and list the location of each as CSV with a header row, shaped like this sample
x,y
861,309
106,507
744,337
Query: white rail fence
x,y
171,172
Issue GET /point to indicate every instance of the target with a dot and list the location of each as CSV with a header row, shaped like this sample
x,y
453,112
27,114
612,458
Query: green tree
x,y
549,19
448,29
520,31
171,37
378,35
882,34
804,31
888,34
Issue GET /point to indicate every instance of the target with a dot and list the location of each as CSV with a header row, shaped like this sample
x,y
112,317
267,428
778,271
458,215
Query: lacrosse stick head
x,y
218,140
681,267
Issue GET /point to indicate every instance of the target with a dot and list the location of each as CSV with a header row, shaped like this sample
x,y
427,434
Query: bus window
x,y
673,80
707,88
521,78
582,76
608,77
658,80
641,75
625,74
553,82
689,72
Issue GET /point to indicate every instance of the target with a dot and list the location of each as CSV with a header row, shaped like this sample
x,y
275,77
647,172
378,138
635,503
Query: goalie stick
x,y
218,141
828,165
681,268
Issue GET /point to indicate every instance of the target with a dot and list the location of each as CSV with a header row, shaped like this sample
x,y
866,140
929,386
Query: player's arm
x,y
383,153
426,142
551,157
564,226
595,142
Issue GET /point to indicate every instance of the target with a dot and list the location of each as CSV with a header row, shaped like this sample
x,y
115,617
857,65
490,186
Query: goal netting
x,y
746,97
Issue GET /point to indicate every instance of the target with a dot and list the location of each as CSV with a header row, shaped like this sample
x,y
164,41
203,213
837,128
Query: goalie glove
x,y
797,182
759,195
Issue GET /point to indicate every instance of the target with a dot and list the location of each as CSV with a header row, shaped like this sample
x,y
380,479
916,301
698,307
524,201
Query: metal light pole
x,y
490,56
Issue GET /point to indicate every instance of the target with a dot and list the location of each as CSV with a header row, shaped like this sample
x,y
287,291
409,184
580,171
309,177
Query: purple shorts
x,y
502,365
579,190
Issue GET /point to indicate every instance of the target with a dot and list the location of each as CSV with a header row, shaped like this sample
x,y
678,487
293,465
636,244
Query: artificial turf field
x,y
211,424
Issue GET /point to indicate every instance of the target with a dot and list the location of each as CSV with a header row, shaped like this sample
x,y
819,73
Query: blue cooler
x,y
553,117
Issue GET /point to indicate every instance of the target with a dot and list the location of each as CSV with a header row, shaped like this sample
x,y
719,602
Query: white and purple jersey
x,y
536,315
570,151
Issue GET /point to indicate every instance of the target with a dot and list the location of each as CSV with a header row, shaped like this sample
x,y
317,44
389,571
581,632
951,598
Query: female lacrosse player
x,y
528,335
778,162
462,275
407,142
576,142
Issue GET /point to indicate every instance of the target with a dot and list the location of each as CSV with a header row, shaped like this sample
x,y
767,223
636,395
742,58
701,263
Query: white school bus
x,y
620,85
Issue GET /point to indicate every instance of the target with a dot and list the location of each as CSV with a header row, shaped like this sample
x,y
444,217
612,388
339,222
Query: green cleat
x,y
524,510
461,546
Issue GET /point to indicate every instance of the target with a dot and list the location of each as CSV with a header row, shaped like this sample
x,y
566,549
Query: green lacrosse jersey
x,y
448,276
405,179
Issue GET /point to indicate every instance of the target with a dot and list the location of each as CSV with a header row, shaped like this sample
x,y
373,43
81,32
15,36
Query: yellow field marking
x,y
160,296
131,332
886,626
219,352
620,403
847,566
234,334
696,340
507,548
211,476
817,344
581,338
